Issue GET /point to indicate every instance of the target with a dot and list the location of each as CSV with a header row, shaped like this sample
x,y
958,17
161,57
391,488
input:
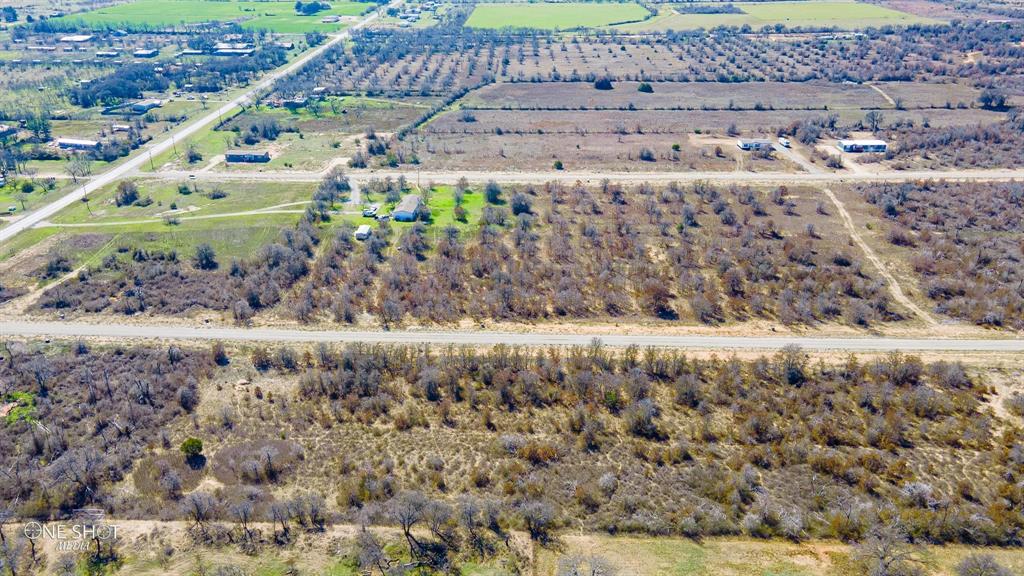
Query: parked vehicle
x,y
785,142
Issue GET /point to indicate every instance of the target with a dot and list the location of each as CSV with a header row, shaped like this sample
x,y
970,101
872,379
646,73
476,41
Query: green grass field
x,y
276,16
842,14
551,16
169,201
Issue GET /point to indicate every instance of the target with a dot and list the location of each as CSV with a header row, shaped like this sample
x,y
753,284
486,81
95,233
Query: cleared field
x,y
307,140
742,557
275,16
838,14
551,16
166,199
720,95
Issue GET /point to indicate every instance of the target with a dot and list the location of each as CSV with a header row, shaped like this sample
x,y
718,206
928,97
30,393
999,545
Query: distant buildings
x,y
146,53
144,106
77,144
754,144
876,146
247,156
228,49
77,38
107,54
407,209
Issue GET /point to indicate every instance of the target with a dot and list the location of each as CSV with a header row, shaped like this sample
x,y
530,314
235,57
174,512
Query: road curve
x,y
182,132
70,329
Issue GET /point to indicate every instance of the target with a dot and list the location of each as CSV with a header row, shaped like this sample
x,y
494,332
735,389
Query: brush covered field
x,y
491,460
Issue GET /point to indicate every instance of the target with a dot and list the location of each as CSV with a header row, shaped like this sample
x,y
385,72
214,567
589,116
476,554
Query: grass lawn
x,y
276,16
169,201
551,15
442,209
843,14
230,237
11,195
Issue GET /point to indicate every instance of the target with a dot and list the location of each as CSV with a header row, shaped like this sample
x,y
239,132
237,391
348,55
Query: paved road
x,y
592,177
143,154
71,329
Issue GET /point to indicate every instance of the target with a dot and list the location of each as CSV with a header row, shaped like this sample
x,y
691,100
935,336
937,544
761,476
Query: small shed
x,y
364,232
407,209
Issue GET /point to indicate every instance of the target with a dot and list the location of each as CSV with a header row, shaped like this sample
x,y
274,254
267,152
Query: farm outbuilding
x,y
248,156
876,146
77,144
144,106
407,209
363,232
754,144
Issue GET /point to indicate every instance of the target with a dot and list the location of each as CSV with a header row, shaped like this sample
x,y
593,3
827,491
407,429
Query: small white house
x,y
364,232
408,208
754,144
874,146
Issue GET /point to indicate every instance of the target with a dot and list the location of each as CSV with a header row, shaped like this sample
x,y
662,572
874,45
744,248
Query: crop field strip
x,y
839,14
277,16
567,15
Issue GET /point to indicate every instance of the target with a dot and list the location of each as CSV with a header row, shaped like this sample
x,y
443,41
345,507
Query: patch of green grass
x,y
276,16
168,201
842,14
346,567
232,238
25,240
550,16
442,207
25,408
12,195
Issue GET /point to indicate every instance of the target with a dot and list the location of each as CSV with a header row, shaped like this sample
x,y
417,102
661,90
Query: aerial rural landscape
x,y
537,288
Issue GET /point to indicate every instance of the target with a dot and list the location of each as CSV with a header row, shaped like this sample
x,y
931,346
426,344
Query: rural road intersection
x,y
144,153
